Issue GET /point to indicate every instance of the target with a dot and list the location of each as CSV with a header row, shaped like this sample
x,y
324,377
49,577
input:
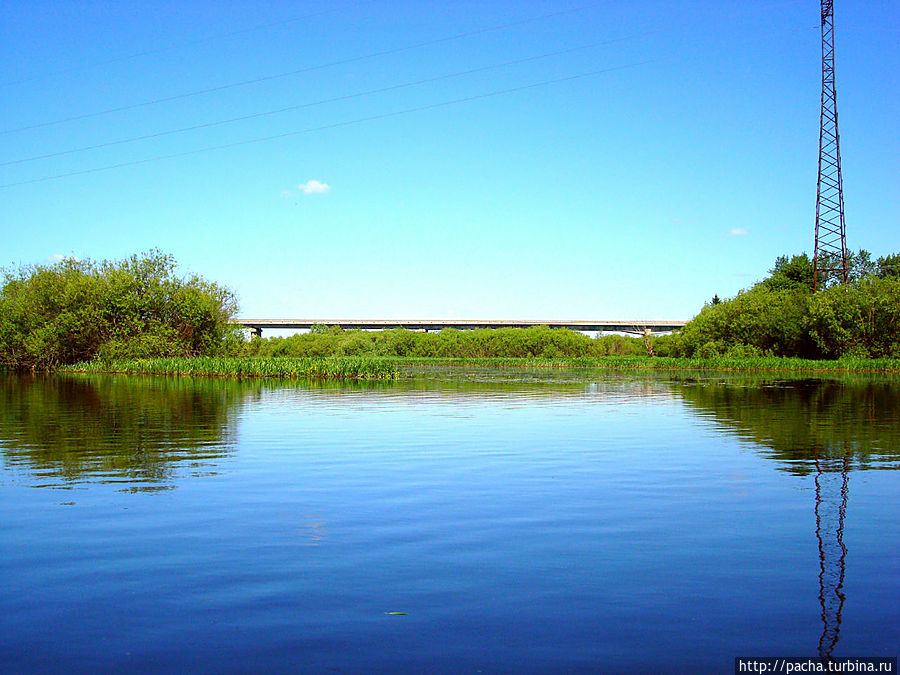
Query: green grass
x,y
390,367
718,363
330,368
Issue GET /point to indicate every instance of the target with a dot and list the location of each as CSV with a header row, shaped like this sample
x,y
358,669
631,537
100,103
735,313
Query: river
x,y
454,521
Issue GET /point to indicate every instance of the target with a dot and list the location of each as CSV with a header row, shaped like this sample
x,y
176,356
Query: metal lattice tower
x,y
830,253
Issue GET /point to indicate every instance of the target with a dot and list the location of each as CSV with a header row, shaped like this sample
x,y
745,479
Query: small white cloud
x,y
313,187
738,232
59,257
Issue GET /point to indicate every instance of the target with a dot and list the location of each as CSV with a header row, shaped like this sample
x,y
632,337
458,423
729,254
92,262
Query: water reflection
x,y
134,428
134,431
832,491
823,428
149,433
805,423
138,431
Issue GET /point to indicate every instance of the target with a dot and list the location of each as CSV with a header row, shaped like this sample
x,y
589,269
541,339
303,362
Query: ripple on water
x,y
628,523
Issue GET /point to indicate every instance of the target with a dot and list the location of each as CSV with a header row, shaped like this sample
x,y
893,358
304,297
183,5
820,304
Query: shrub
x,y
78,310
781,316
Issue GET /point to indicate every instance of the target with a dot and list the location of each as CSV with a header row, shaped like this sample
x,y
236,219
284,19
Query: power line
x,y
160,50
307,69
336,125
345,97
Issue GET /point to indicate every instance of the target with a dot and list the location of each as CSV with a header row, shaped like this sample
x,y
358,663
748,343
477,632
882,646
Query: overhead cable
x,y
336,125
345,97
298,71
180,45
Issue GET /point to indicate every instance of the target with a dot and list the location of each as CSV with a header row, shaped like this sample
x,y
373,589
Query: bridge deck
x,y
625,326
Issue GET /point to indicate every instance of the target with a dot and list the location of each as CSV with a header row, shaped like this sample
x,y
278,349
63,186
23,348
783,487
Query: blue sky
x,y
604,160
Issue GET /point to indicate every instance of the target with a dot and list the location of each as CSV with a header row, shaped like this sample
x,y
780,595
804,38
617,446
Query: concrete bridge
x,y
637,327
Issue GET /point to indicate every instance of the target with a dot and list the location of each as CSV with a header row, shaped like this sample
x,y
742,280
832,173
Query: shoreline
x,y
393,367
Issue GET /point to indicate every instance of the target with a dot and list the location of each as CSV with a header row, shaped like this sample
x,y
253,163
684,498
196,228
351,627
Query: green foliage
x,y
80,310
333,368
859,265
861,320
781,316
797,271
772,321
791,273
535,342
391,367
888,266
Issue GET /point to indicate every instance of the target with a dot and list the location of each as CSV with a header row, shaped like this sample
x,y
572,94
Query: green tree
x,y
888,266
79,310
782,316
790,273
769,320
861,319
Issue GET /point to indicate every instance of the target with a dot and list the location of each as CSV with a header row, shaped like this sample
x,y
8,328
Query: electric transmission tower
x,y
830,253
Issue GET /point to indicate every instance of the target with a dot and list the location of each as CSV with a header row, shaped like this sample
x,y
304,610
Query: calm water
x,y
520,523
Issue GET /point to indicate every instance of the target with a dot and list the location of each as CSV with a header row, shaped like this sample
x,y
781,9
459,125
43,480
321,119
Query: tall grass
x,y
331,368
715,363
390,367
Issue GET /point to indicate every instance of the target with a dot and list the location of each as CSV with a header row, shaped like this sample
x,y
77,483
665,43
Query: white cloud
x,y
738,232
313,187
59,257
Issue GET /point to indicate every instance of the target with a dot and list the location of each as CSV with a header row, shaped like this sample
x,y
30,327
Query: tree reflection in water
x,y
140,432
823,428
132,431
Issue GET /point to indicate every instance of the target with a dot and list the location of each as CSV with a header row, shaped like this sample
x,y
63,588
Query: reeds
x,y
390,367
715,363
330,368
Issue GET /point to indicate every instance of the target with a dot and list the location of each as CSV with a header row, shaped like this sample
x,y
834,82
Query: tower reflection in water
x,y
832,491
818,430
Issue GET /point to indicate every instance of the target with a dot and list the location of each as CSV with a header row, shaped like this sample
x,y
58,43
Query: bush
x,y
772,321
861,320
781,316
79,310
537,341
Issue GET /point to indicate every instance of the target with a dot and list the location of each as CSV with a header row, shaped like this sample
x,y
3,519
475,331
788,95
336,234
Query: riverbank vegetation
x,y
340,367
393,367
138,316
78,310
782,316
508,343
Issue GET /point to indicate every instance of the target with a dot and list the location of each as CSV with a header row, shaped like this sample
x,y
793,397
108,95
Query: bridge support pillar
x,y
648,341
255,332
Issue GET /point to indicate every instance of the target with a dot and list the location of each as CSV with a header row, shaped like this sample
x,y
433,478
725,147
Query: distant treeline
x,y
76,311
539,341
780,316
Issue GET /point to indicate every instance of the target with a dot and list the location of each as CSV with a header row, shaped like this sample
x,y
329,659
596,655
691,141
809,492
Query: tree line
x,y
74,311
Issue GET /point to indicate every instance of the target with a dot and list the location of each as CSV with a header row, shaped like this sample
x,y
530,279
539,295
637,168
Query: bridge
x,y
637,327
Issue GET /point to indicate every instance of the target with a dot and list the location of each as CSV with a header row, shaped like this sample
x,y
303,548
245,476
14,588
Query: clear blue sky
x,y
639,192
